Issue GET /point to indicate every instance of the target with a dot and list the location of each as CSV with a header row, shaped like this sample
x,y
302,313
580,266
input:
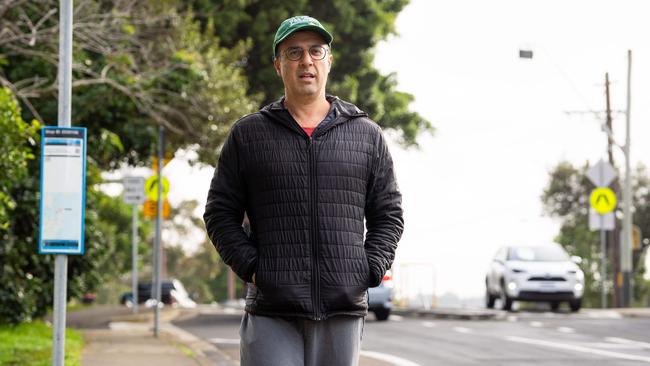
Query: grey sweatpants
x,y
270,341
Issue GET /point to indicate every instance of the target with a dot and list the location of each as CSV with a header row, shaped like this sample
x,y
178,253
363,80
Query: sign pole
x,y
134,196
603,271
158,242
134,259
64,109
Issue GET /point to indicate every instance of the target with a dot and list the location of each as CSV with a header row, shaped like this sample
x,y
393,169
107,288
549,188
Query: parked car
x,y
380,298
172,293
541,273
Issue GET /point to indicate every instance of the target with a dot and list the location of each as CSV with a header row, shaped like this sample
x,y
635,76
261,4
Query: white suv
x,y
534,273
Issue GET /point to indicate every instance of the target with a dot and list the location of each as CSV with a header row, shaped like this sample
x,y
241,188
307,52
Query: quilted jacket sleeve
x,y
384,216
224,212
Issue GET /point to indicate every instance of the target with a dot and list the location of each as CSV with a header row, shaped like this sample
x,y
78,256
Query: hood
x,y
343,112
544,268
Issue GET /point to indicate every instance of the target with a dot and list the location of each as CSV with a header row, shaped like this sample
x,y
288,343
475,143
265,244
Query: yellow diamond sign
x,y
603,200
151,187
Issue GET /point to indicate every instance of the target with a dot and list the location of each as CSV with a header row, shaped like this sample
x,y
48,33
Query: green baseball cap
x,y
301,22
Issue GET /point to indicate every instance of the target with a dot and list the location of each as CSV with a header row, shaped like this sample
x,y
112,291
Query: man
x,y
307,170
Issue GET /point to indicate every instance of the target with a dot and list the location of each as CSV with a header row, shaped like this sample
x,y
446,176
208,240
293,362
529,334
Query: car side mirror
x,y
575,259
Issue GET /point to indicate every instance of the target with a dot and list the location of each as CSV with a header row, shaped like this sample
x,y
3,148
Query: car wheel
x,y
506,301
489,299
555,305
575,305
382,314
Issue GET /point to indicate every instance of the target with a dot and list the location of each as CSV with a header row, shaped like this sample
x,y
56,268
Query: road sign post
x,y
134,196
158,240
601,217
64,120
603,202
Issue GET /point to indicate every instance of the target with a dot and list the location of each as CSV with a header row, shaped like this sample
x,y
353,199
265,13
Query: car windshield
x,y
538,254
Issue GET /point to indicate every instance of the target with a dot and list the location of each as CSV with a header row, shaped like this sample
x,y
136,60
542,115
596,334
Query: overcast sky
x,y
500,120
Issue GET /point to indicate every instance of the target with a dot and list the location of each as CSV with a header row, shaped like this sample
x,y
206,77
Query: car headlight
x,y
512,286
578,287
517,270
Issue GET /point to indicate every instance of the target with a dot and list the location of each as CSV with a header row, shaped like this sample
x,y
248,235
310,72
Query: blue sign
x,y
63,190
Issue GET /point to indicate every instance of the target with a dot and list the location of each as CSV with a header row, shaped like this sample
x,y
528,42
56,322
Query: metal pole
x,y
158,243
64,109
60,290
603,270
134,259
626,243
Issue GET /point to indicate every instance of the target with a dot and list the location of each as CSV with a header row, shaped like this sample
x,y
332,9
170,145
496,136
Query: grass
x,y
30,344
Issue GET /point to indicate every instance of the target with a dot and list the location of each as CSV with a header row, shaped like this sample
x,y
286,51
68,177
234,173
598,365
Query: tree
x,y
357,27
566,197
27,276
137,65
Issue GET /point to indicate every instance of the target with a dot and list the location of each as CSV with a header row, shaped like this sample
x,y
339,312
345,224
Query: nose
x,y
306,58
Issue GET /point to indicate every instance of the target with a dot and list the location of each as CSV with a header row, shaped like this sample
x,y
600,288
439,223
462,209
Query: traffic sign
x,y
151,187
597,221
603,200
133,190
63,190
636,237
601,174
151,209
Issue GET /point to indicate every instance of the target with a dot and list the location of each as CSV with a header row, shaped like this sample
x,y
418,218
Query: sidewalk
x,y
114,337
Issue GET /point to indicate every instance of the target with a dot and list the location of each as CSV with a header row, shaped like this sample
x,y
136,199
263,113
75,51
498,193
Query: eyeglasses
x,y
315,52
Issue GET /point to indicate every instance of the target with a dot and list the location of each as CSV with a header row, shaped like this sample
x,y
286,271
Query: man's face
x,y
305,76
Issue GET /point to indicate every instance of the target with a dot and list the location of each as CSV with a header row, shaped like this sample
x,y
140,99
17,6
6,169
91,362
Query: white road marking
x,y
569,347
462,330
512,318
428,324
396,361
628,342
396,318
565,330
536,324
224,340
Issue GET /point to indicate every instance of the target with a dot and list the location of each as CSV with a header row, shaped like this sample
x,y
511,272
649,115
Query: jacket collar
x,y
343,112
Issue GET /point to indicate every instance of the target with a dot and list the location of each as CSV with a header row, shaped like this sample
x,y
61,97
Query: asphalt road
x,y
522,339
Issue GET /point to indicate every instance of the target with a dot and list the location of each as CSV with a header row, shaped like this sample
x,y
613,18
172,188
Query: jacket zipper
x,y
315,271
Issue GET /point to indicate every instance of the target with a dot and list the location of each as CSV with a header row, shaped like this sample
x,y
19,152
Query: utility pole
x,y
613,235
626,242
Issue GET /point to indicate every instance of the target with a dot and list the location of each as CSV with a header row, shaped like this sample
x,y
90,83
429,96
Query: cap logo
x,y
300,19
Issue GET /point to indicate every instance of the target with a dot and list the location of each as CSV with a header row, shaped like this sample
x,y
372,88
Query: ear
x,y
276,65
330,60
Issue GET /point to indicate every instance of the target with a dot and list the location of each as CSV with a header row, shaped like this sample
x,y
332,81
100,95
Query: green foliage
x,y
566,197
27,276
30,344
137,65
16,144
357,26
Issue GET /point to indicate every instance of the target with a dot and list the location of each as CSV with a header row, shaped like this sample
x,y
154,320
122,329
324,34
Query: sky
x,y
501,123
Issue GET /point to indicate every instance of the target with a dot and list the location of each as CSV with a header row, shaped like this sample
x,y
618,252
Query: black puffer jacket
x,y
306,200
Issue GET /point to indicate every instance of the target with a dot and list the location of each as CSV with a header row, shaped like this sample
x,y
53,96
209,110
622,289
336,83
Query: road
x,y
524,338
